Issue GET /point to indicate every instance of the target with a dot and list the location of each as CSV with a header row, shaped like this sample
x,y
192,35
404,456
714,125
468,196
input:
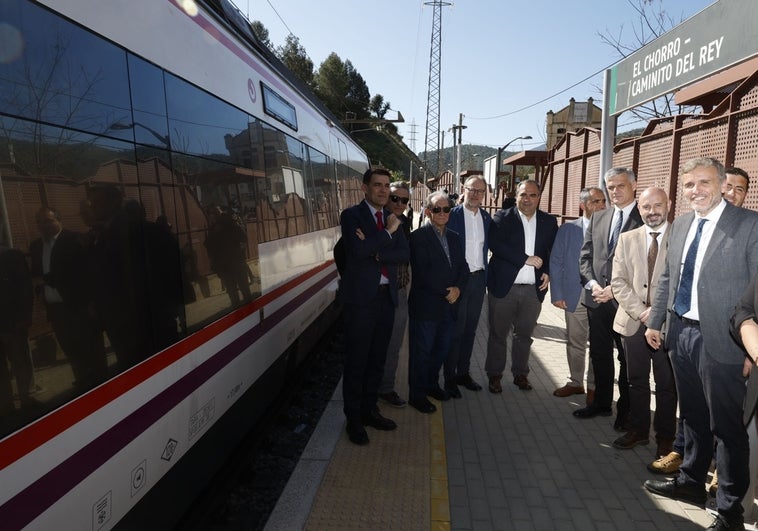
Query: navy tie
x,y
616,231
684,293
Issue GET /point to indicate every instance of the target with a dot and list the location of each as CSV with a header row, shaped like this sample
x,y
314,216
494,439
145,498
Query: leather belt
x,y
690,322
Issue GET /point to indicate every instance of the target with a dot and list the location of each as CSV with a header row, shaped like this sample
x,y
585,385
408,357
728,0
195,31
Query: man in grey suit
x,y
566,290
595,267
712,255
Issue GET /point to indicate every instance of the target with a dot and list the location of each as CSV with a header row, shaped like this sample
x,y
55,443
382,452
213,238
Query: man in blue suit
x,y
472,223
520,239
566,289
373,244
712,255
439,274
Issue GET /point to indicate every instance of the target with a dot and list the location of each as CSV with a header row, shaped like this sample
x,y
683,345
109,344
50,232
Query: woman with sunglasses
x,y
440,273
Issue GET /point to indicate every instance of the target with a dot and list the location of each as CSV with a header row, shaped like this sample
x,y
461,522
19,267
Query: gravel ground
x,y
264,474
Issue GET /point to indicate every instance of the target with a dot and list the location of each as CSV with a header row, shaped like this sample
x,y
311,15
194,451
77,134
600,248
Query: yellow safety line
x,y
440,499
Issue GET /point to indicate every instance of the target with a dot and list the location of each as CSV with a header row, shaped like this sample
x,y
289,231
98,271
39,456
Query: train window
x,y
279,108
285,212
325,191
220,248
202,124
148,104
112,293
59,73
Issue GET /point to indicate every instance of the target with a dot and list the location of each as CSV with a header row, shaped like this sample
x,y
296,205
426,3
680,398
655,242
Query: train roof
x,y
236,22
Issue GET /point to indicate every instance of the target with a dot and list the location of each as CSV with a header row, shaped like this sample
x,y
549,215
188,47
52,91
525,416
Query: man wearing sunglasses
x,y
471,222
520,239
439,277
399,197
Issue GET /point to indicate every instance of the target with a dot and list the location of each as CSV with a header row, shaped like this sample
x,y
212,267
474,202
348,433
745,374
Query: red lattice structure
x,y
728,133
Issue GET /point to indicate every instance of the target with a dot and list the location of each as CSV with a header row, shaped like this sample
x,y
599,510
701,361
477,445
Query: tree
x,y
358,96
294,57
261,32
652,22
378,106
332,84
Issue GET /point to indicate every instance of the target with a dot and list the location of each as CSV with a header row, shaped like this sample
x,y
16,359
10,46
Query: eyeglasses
x,y
474,190
437,210
403,200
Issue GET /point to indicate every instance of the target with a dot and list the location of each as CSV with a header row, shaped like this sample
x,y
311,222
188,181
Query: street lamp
x,y
502,149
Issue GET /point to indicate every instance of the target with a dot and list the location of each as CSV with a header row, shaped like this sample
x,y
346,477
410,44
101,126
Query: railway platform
x,y
512,461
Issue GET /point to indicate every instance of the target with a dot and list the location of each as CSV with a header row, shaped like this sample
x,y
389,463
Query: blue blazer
x,y
457,224
364,258
565,282
432,274
506,241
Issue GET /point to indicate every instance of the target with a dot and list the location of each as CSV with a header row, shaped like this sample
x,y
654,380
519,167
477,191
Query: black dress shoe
x,y
356,433
670,488
439,393
423,405
722,524
592,411
469,383
452,390
392,398
376,420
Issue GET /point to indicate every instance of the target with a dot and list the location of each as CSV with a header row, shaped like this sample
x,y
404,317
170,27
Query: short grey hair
x,y
706,162
618,171
586,194
400,184
434,196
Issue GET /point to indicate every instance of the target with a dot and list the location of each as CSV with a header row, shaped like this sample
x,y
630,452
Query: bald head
x,y
654,206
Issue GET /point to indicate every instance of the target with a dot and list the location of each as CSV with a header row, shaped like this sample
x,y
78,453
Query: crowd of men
x,y
675,297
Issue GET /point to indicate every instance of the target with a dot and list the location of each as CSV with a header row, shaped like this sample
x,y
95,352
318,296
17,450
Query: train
x,y
169,201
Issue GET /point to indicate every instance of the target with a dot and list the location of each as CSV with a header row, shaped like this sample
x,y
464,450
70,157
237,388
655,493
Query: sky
x,y
504,64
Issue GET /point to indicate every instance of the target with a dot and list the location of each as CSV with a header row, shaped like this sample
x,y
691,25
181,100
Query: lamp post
x,y
502,149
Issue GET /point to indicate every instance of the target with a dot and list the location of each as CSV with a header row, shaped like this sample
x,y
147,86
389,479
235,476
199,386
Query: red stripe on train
x,y
33,436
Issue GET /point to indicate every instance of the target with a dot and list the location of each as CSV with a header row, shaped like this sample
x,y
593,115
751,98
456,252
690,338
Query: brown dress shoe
x,y
630,439
590,397
495,386
568,390
522,382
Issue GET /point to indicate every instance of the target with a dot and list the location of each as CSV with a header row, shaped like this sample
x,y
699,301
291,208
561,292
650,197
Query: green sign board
x,y
723,34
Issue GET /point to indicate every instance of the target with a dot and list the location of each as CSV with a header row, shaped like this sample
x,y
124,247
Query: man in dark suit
x,y
439,277
520,239
59,258
712,255
472,223
566,290
745,329
373,246
595,267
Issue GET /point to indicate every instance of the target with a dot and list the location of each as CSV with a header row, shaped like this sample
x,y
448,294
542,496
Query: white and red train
x,y
174,104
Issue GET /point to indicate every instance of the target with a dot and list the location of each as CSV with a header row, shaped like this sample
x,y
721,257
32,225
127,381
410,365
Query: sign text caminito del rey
x,y
720,36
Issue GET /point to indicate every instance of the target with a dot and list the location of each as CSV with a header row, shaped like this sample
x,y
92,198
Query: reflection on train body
x,y
132,208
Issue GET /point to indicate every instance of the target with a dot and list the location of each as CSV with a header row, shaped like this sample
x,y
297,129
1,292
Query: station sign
x,y
718,37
